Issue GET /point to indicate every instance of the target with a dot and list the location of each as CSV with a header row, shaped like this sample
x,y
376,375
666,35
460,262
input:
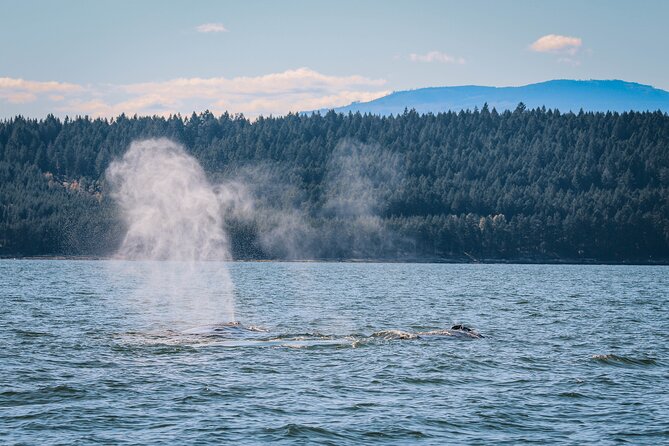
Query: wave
x,y
612,359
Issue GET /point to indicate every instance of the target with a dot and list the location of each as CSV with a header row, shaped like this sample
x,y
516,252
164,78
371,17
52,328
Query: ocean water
x,y
108,352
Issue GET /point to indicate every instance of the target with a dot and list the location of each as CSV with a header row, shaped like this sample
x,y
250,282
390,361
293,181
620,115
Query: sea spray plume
x,y
359,178
174,215
267,197
286,228
170,209
342,219
359,183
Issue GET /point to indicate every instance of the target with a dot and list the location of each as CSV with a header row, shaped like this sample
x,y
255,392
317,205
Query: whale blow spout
x,y
174,221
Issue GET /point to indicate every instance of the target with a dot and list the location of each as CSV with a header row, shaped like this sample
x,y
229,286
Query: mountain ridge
x,y
563,94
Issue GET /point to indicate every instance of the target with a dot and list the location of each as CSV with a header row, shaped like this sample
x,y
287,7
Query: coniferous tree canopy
x,y
533,185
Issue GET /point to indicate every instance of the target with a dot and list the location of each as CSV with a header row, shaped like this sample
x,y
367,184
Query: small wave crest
x,y
294,430
612,359
394,334
226,329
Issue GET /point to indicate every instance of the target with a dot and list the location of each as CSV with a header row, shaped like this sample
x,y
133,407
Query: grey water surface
x,y
107,352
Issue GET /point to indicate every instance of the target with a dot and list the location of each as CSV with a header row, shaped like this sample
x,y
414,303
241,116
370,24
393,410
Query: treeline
x,y
522,185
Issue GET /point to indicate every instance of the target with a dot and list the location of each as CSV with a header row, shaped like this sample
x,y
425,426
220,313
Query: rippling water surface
x,y
333,353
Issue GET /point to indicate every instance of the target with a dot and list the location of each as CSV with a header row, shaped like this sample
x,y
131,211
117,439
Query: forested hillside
x,y
525,185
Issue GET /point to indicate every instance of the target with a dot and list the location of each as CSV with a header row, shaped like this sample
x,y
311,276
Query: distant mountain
x,y
565,95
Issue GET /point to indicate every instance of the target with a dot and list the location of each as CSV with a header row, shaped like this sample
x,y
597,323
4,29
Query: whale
x,y
458,330
241,335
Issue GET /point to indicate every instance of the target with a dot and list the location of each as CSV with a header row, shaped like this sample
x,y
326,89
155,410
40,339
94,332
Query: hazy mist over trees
x,y
522,185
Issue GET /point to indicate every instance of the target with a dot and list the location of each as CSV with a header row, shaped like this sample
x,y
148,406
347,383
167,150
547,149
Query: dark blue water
x,y
333,353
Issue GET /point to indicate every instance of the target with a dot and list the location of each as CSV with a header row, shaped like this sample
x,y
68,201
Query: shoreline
x,y
459,261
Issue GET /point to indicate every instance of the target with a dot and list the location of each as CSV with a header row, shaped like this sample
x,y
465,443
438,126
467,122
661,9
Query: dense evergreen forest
x,y
523,185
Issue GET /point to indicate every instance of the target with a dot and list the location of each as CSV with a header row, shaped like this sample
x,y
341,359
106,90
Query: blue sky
x,y
270,57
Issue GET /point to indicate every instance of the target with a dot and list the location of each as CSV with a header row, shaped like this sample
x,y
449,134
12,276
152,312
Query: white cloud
x,y
19,97
21,91
553,43
299,80
301,89
8,83
260,106
211,28
436,56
